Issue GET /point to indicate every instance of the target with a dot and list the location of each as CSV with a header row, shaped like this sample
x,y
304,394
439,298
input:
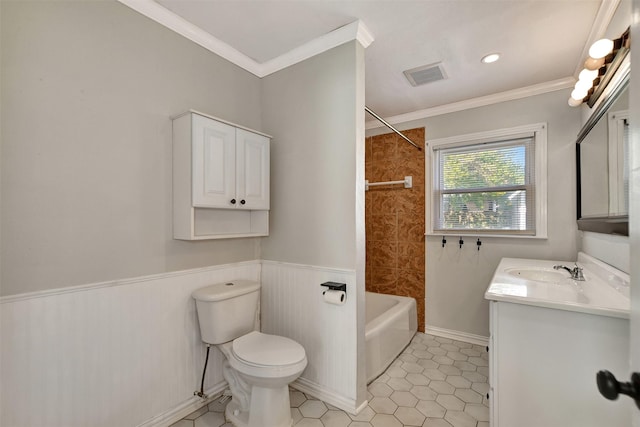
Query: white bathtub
x,y
391,322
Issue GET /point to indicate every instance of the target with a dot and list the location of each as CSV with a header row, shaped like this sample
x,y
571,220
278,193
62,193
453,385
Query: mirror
x,y
602,166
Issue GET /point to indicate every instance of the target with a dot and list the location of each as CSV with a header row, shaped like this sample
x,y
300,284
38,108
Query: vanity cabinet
x,y
543,364
549,339
220,179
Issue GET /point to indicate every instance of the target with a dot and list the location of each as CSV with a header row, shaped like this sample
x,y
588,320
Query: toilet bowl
x,y
259,370
258,367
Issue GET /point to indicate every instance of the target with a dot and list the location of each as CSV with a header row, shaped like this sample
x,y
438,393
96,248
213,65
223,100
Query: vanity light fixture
x,y
588,75
601,48
598,69
492,57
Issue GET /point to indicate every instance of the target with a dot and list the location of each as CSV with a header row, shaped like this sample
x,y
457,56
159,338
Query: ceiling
x,y
542,43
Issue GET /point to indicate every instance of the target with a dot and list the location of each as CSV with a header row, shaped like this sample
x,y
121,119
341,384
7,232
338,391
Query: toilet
x,y
258,366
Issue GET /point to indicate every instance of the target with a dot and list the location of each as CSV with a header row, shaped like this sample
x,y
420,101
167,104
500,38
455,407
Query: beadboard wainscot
x,y
293,306
119,353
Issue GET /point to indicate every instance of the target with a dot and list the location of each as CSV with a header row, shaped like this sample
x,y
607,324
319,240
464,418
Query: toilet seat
x,y
264,350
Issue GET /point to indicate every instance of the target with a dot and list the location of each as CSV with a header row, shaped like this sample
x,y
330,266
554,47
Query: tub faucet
x,y
576,272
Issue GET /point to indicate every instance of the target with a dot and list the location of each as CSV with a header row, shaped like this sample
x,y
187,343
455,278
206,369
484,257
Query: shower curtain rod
x,y
381,120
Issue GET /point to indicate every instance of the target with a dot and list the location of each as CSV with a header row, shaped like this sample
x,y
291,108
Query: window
x,y
490,183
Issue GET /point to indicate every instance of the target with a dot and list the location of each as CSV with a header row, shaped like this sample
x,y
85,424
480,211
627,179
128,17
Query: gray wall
x,y
315,110
456,279
87,91
311,109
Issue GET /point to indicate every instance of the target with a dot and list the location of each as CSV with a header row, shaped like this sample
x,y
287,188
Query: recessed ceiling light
x,y
492,57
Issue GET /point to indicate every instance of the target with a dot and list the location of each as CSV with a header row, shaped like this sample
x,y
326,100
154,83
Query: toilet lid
x,y
267,350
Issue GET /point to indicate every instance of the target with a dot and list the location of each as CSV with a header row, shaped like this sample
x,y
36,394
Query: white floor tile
x,y
313,409
210,419
382,420
309,422
436,422
335,419
409,416
404,398
197,413
460,419
435,382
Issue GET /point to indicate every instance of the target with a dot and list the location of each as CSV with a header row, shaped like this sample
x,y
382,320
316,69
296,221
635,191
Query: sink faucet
x,y
576,272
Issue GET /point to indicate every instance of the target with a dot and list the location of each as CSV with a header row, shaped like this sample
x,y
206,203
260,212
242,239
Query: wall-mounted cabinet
x,y
220,179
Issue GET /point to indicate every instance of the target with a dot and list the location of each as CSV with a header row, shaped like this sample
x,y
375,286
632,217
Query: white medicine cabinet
x,y
220,179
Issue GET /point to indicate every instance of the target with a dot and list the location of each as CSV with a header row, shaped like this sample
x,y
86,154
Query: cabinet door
x,y
213,163
252,174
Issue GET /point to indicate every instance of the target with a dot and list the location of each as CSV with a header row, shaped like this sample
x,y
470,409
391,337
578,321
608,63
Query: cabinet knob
x,y
242,202
233,201
610,388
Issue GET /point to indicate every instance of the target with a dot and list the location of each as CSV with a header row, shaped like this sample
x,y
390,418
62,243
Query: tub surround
x,y
395,218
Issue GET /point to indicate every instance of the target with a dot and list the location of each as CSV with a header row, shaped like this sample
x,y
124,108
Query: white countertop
x,y
605,290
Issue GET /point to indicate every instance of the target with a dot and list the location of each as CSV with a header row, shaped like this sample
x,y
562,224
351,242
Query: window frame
x,y
539,133
617,122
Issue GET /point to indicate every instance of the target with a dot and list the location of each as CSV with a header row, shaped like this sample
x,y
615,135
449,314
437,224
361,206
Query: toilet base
x,y
269,408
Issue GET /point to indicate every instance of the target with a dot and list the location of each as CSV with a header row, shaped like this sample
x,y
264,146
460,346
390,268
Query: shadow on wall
x,y
395,218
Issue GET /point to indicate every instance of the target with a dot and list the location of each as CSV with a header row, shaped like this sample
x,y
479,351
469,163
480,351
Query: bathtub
x,y
391,322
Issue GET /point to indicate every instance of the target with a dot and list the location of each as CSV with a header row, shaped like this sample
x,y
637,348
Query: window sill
x,y
482,235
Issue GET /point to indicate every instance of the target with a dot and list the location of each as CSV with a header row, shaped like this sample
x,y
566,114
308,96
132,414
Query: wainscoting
x,y
128,352
121,353
293,306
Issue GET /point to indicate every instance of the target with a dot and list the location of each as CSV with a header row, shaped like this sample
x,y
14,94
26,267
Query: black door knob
x,y
233,201
610,387
242,202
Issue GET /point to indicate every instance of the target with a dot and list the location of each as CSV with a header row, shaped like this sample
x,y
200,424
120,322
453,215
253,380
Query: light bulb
x,y
583,85
601,48
492,57
593,64
588,75
574,102
579,93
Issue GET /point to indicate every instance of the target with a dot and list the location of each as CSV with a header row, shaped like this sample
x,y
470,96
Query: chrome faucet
x,y
576,272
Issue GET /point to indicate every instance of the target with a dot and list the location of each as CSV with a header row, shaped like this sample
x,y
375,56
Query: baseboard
x,y
457,335
179,412
328,396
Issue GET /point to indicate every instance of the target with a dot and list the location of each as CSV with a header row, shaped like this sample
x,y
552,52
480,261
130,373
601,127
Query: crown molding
x,y
164,16
363,35
482,101
353,31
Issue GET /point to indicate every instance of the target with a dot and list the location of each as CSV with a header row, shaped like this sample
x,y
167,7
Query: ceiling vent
x,y
425,74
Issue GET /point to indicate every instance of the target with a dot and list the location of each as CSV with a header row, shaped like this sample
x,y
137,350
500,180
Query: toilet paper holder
x,y
335,286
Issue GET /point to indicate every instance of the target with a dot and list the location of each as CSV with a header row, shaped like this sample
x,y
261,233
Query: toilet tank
x,y
227,310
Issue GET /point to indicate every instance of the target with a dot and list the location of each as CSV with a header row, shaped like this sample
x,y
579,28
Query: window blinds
x,y
484,187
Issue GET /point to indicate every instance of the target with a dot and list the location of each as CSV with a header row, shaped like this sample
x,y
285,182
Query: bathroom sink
x,y
605,290
538,274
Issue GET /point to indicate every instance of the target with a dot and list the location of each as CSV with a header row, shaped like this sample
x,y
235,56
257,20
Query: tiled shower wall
x,y
395,218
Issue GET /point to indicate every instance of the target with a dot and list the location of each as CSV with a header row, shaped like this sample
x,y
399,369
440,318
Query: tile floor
x,y
435,382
